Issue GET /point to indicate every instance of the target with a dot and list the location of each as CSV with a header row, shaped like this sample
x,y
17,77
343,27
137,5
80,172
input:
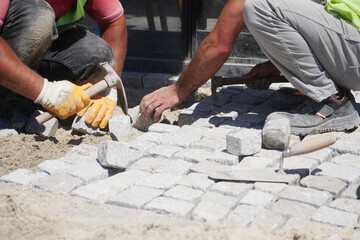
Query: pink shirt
x,y
106,11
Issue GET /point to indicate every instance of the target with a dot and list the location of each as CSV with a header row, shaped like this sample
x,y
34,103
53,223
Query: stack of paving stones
x,y
165,170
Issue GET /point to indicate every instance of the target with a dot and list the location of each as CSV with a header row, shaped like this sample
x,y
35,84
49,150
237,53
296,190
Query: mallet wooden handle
x,y
93,90
311,145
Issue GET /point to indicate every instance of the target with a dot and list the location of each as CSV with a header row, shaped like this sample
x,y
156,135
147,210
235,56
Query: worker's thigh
x,y
29,28
76,56
306,40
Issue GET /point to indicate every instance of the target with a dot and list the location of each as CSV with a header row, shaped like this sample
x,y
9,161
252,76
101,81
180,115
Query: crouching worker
x,y
46,55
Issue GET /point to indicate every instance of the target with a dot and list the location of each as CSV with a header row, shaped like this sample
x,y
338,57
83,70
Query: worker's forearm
x,y
115,34
205,63
214,50
16,76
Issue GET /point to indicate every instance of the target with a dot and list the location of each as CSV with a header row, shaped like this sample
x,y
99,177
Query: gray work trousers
x,y
74,54
313,49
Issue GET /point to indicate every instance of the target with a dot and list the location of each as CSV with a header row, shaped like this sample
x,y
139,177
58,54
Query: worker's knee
x,y
253,10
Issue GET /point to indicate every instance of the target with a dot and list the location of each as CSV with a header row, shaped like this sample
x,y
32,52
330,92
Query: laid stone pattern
x,y
166,170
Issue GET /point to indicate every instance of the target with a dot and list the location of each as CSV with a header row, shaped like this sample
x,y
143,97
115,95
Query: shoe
x,y
335,113
286,98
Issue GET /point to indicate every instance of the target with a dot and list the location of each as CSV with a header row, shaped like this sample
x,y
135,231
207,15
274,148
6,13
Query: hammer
x,y
219,81
111,79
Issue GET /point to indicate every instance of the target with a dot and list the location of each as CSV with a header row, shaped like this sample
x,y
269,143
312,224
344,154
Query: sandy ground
x,y
34,214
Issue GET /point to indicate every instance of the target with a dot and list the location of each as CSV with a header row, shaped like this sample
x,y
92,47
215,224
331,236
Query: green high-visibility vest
x,y
349,10
73,16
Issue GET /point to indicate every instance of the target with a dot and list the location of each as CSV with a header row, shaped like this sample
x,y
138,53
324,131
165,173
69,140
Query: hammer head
x,y
112,79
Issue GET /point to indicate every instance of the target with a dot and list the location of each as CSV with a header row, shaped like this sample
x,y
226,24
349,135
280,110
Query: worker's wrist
x,y
41,96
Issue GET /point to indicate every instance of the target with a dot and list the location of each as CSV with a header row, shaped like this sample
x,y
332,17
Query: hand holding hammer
x,y
111,79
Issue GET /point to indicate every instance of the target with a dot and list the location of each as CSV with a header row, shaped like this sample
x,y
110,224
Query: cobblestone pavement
x,y
165,170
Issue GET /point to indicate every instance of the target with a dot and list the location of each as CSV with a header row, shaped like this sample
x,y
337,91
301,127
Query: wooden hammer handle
x,y
91,91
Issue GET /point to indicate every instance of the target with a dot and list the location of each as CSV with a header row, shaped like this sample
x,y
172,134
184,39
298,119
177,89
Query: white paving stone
x,y
347,159
213,207
23,177
53,166
175,167
273,188
170,206
193,155
141,144
335,217
117,155
184,193
163,181
353,191
276,134
243,142
269,220
120,125
197,181
330,184
306,195
257,162
258,199
243,215
163,128
58,183
164,151
290,209
222,157
346,173
210,143
232,188
347,205
135,197
104,189
7,132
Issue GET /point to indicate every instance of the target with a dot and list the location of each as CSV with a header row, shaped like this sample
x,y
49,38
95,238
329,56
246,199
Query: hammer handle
x,y
239,80
91,91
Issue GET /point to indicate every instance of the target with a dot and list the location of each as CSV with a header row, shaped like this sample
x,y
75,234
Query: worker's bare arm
x,y
210,56
16,76
115,34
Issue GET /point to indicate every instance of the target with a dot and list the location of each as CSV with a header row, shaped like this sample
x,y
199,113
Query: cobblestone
x,y
346,173
306,195
238,190
353,191
243,142
170,206
184,193
135,197
213,207
290,209
258,199
23,177
243,215
330,184
335,217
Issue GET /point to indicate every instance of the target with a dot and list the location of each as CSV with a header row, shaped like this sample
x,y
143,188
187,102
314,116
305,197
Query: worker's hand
x,y
62,98
153,104
259,73
101,107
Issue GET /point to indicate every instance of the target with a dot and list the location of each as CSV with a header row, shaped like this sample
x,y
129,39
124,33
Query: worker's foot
x,y
335,113
286,98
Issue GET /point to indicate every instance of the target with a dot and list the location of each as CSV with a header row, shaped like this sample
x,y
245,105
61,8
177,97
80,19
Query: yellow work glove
x,y
62,98
101,107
